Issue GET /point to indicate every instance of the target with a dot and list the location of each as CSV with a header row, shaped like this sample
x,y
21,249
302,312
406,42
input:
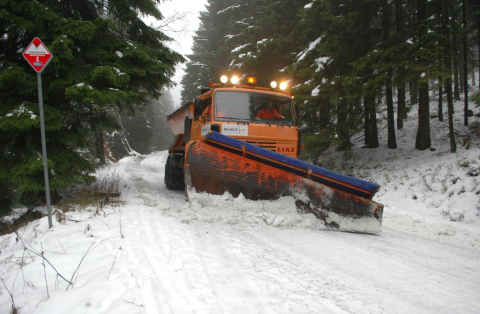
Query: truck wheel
x,y
173,174
187,129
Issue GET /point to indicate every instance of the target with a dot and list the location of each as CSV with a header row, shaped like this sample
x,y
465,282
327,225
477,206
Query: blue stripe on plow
x,y
286,163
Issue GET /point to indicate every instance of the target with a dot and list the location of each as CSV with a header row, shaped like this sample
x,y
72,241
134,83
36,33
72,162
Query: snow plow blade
x,y
220,164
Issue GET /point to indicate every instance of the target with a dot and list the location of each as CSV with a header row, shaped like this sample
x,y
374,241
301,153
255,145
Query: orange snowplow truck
x,y
245,139
239,111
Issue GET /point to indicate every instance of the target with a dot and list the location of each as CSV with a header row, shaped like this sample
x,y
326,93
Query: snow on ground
x,y
155,253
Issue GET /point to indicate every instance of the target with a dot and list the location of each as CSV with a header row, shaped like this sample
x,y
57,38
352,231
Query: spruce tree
x,y
105,59
211,52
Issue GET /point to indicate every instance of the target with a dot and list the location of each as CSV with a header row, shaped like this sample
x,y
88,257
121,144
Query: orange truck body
x,y
279,137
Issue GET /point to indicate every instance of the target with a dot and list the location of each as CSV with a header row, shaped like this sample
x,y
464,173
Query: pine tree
x,y
105,60
246,38
342,56
211,53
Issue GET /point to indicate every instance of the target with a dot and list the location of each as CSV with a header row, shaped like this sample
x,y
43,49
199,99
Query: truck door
x,y
202,117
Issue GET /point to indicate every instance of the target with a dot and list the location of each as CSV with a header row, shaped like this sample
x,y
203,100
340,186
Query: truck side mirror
x,y
198,107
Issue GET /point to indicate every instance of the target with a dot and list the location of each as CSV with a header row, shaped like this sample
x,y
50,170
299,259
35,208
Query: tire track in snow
x,y
267,278
237,290
389,273
346,273
147,176
169,272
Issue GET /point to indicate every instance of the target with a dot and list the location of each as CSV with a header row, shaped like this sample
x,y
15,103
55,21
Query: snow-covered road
x,y
218,254
271,270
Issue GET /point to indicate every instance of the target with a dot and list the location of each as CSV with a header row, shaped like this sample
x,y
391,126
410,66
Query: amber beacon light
x,y
251,80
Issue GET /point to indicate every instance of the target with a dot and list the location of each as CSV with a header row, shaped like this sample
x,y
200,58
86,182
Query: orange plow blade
x,y
215,170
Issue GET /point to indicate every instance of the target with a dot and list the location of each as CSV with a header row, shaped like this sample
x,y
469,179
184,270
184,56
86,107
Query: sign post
x,y
38,56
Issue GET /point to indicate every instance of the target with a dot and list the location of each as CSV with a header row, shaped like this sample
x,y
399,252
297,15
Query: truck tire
x,y
187,129
174,173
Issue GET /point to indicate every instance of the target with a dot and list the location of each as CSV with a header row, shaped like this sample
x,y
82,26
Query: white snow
x,y
237,49
312,45
321,62
155,253
231,36
229,8
262,42
21,110
118,71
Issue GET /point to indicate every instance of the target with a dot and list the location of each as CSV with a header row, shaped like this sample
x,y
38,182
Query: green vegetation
x,y
106,63
347,61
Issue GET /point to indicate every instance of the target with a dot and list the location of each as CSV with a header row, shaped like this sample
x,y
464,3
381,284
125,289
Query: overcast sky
x,y
183,40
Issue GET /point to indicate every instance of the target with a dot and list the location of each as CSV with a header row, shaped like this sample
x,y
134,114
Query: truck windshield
x,y
254,107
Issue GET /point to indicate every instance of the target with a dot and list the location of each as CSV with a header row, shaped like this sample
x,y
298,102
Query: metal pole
x,y
44,150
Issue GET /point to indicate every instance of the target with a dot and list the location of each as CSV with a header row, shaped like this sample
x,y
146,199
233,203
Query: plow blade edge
x,y
217,166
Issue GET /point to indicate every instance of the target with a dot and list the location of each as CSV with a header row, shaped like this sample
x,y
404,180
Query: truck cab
x,y
235,112
262,116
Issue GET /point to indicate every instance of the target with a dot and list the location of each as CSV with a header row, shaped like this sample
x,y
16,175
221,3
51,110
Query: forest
x,y
104,92
349,63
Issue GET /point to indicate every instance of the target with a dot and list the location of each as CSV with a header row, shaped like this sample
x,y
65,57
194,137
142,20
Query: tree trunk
x,y
460,72
413,92
423,141
448,81
99,146
401,106
440,100
465,68
392,142
343,136
374,128
386,20
451,135
366,125
478,31
456,89
371,125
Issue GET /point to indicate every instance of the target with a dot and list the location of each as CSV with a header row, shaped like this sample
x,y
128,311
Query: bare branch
x,y
41,255
14,308
165,25
113,262
61,244
71,282
45,271
139,305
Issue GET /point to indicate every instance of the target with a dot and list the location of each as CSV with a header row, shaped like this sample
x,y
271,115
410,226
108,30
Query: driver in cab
x,y
269,113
